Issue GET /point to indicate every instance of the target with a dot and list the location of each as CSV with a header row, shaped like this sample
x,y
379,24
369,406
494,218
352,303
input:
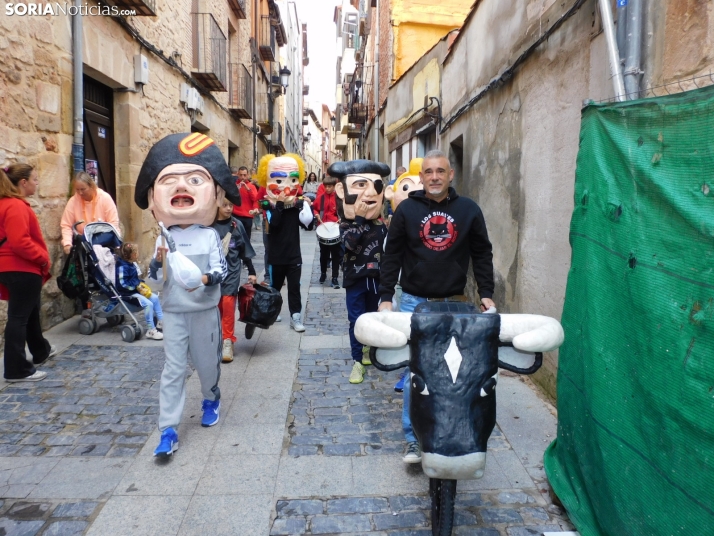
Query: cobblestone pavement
x,y
325,313
47,518
96,401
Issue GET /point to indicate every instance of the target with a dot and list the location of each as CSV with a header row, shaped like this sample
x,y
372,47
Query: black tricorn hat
x,y
354,167
185,148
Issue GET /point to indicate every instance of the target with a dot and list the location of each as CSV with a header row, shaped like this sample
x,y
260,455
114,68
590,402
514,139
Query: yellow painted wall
x,y
418,25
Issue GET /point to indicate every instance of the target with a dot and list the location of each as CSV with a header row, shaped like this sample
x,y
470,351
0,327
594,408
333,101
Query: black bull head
x,y
453,357
453,367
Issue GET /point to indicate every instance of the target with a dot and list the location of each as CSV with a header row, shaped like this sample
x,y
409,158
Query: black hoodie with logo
x,y
431,243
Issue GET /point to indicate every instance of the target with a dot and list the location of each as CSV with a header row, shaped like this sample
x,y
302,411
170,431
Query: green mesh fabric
x,y
635,448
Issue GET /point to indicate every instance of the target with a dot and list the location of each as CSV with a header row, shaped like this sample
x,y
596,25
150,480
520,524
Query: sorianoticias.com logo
x,y
21,9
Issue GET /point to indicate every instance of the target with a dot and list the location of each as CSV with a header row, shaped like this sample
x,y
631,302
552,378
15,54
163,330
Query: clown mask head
x,y
184,180
360,187
281,176
405,183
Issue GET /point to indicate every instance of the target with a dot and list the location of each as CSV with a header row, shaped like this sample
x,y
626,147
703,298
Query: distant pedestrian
x,y
24,268
325,209
236,250
361,189
248,207
311,184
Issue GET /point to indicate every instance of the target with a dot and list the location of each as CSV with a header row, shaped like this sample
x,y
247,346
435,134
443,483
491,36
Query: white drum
x,y
328,233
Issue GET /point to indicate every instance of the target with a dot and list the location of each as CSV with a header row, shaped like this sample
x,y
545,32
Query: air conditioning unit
x,y
192,100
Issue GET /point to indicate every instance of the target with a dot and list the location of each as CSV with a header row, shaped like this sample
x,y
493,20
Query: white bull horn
x,y
383,330
531,333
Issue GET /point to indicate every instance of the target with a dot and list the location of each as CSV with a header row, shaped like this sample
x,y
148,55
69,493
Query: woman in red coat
x,y
24,268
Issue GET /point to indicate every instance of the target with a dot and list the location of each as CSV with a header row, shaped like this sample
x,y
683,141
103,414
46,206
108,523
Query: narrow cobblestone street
x,y
298,450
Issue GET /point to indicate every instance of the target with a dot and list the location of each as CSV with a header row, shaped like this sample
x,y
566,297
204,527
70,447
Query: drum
x,y
329,233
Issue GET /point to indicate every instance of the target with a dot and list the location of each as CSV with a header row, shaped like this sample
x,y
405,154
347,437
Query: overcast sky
x,y
318,14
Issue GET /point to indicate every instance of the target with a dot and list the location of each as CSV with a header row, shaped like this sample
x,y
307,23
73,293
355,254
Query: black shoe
x,y
335,283
323,277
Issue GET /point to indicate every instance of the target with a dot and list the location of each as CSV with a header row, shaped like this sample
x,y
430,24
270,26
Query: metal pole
x,y
613,54
78,140
621,28
376,87
633,49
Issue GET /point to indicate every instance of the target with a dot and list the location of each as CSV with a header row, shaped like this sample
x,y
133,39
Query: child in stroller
x,y
128,284
88,276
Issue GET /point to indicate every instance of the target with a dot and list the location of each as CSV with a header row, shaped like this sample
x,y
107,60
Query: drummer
x,y
361,190
325,209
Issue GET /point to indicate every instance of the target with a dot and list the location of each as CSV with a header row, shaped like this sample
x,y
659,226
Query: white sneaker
x,y
296,323
37,376
227,356
279,319
154,334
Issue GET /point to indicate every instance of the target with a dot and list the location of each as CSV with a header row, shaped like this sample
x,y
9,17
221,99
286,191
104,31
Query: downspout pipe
x,y
78,140
633,49
612,52
621,28
376,86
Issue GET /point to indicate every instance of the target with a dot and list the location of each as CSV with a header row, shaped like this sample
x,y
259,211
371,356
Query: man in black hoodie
x,y
433,235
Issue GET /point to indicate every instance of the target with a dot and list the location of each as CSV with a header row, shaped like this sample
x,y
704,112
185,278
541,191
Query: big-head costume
x,y
182,181
409,181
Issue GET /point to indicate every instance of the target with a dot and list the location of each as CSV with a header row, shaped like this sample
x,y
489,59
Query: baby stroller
x,y
83,278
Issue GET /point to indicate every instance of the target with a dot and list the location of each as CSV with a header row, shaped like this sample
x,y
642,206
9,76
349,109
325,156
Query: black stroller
x,y
83,278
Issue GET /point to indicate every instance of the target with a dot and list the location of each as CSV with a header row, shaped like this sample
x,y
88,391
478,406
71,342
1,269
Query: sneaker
x,y
37,376
399,386
279,319
266,282
413,454
155,334
296,322
210,412
227,351
168,443
323,277
366,361
335,283
357,374
160,325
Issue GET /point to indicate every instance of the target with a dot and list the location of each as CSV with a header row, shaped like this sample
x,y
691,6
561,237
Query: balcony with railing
x,y
141,7
266,46
263,112
238,8
240,91
276,138
209,52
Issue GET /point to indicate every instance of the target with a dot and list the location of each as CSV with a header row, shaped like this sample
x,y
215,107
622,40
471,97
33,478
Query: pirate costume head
x,y
184,180
360,180
281,174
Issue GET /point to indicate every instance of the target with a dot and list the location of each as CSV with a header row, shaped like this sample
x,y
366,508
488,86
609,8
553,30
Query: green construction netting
x,y
635,449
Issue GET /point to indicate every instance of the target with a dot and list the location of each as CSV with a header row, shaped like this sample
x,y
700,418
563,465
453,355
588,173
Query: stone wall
x,y
36,97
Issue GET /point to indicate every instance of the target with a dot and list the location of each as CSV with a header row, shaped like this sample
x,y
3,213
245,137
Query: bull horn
x,y
531,333
383,330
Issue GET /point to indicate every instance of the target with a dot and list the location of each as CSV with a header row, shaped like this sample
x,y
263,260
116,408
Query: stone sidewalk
x,y
298,450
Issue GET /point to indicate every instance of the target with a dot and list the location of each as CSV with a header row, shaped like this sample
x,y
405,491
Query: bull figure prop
x,y
453,353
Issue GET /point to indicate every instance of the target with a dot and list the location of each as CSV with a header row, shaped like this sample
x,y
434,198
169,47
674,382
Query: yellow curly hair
x,y
414,169
263,168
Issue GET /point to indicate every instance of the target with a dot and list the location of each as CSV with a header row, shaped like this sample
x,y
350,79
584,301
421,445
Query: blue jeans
x,y
362,297
407,304
151,306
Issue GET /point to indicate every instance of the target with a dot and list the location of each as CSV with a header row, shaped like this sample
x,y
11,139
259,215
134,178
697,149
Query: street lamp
x,y
284,75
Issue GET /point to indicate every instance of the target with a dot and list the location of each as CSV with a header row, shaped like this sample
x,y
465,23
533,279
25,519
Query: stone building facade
x,y
179,43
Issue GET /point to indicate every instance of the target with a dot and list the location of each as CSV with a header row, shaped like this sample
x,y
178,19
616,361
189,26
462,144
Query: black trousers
x,y
23,324
278,274
328,253
248,226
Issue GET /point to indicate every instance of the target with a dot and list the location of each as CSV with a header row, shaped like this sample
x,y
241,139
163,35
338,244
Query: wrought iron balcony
x,y
209,52
276,138
140,7
238,7
240,91
267,39
354,131
358,114
263,115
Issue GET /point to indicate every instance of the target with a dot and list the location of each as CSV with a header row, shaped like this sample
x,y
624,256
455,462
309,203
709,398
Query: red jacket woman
x,y
24,267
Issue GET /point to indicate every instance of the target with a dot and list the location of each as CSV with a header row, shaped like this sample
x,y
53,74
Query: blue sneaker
x,y
210,412
168,444
399,386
